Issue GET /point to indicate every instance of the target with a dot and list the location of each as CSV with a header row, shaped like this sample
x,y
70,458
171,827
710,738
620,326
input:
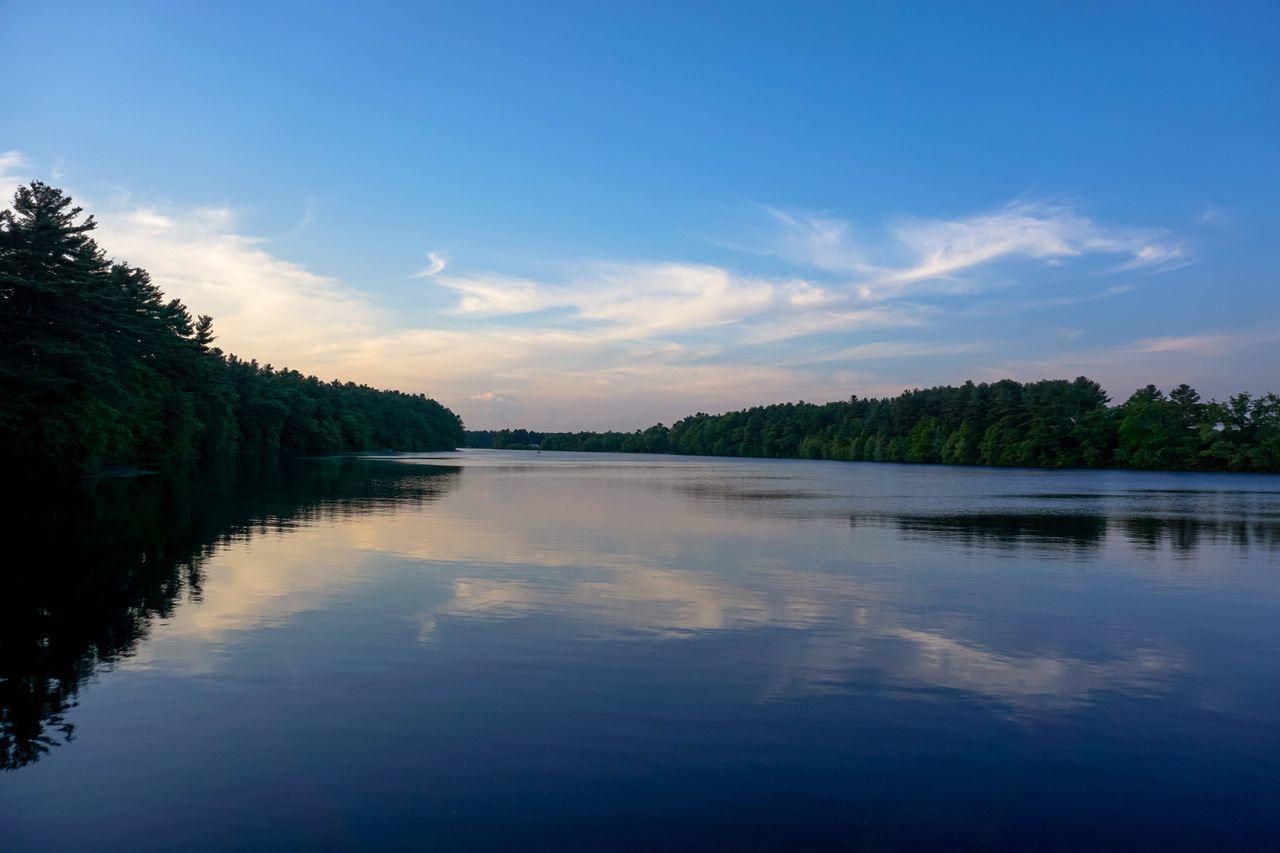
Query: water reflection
x,y
836,635
108,558
1081,532
349,653
996,530
833,583
933,666
1187,534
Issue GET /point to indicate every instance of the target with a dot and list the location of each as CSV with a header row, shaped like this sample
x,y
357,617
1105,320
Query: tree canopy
x,y
98,368
1053,423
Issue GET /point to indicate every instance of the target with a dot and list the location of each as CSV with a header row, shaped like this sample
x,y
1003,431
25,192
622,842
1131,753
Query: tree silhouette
x,y
98,368
1051,424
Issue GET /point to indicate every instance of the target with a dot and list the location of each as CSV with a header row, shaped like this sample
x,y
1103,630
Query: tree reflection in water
x,y
1080,532
102,559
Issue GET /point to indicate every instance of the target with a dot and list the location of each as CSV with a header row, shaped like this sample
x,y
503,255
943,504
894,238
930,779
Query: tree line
x,y
1050,424
97,368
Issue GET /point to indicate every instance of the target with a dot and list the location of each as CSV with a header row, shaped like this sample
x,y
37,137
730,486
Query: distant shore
x,y
1047,424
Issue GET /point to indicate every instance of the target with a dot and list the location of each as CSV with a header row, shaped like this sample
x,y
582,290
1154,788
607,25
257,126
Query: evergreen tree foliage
x,y
1049,424
98,368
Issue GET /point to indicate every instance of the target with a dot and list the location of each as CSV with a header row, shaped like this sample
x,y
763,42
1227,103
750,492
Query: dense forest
x,y
1050,424
98,368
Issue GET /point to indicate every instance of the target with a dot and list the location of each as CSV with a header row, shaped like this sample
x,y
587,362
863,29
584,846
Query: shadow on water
x,y
107,557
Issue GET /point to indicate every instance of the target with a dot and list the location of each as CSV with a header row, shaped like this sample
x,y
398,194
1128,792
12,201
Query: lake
x,y
499,649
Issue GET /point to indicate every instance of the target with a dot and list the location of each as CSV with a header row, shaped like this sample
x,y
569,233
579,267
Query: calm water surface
x,y
504,649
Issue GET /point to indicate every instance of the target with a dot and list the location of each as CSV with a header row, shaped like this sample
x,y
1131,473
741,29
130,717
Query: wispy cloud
x,y
1008,307
823,242
619,344
495,295
264,306
11,162
308,216
495,397
779,329
1203,344
898,349
436,262
1165,361
13,170
940,250
1214,215
635,300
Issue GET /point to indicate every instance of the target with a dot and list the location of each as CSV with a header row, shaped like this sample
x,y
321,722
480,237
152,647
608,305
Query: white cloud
x,y
898,349
494,404
1154,256
657,299
495,397
819,241
940,250
632,300
1213,215
493,295
864,319
1023,229
436,262
1163,361
11,163
608,344
13,171
263,306
1204,344
308,214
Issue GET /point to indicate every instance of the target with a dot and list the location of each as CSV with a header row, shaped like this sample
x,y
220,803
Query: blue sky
x,y
605,215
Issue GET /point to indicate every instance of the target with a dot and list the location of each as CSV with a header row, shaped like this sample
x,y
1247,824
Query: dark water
x,y
516,650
